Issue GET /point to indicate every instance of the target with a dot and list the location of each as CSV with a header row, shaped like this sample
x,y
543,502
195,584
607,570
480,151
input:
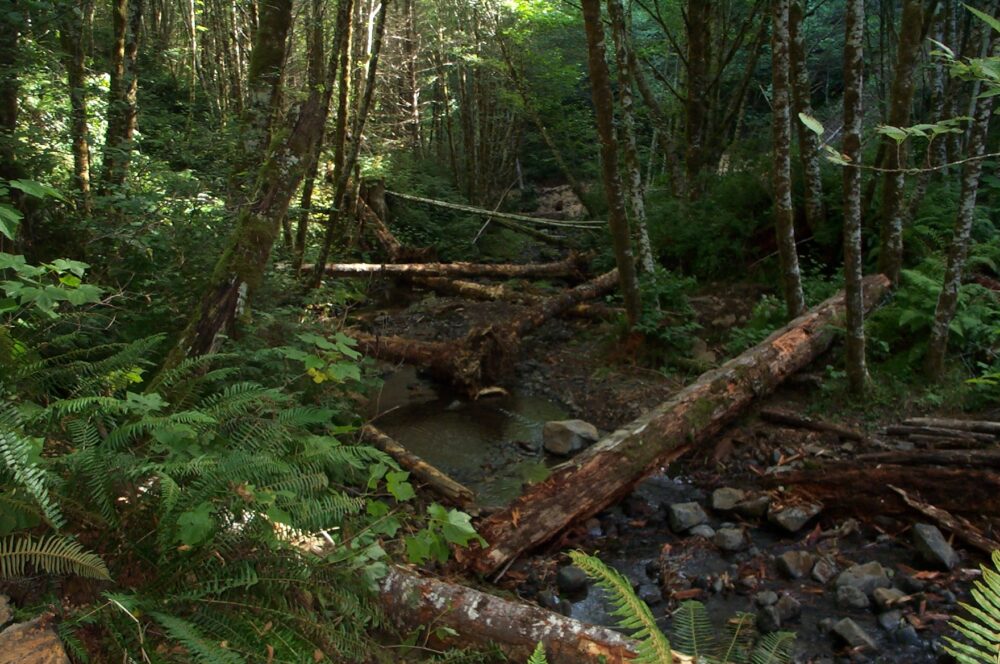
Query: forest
x,y
545,331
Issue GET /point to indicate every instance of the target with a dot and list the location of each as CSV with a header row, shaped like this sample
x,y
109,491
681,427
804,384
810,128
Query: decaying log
x,y
491,292
568,268
395,250
981,426
438,481
865,489
606,471
962,529
971,458
481,619
485,355
909,430
788,418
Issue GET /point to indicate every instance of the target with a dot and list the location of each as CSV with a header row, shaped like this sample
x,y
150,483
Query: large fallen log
x,y
969,458
788,418
570,267
485,356
606,471
479,619
473,290
980,426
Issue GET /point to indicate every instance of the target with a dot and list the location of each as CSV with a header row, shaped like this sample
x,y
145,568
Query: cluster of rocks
x,y
32,641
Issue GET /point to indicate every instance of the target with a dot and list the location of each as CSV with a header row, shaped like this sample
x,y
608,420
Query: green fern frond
x,y
538,657
200,649
981,630
54,555
774,648
632,612
692,632
16,451
740,635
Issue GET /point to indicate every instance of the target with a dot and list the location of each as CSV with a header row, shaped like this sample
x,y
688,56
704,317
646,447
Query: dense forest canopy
x,y
210,208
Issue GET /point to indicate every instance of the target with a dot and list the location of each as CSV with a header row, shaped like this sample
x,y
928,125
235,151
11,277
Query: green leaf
x,y
812,124
36,189
397,485
895,133
986,18
9,220
195,526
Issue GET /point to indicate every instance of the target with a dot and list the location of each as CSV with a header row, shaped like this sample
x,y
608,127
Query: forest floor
x,y
788,577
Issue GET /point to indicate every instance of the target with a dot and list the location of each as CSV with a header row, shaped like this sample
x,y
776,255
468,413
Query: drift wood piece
x,y
568,268
423,471
962,529
788,418
606,471
414,602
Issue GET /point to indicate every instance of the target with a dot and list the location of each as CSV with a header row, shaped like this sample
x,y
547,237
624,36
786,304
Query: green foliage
x,y
538,656
981,628
20,555
668,321
444,528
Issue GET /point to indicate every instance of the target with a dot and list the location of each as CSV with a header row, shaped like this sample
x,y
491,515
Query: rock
x,y
34,641
795,564
652,568
650,594
548,600
684,516
766,598
933,547
768,620
852,634
727,498
823,571
794,518
909,584
703,530
907,635
889,620
852,598
730,539
6,615
571,580
865,578
566,437
753,508
887,597
788,608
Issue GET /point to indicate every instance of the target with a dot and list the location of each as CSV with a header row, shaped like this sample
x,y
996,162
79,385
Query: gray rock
x,y
794,518
889,620
753,508
684,516
865,578
730,539
703,530
823,571
795,564
766,598
907,635
933,547
726,498
6,615
650,594
887,597
571,580
566,437
852,598
852,634
788,608
548,600
768,620
34,642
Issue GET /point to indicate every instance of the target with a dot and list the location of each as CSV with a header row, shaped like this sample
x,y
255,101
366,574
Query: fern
x,y
632,612
981,629
15,455
54,555
692,631
538,656
774,648
201,649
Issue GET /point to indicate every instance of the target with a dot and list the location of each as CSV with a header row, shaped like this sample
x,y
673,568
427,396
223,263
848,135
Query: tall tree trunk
x,y
802,98
948,298
600,87
334,222
634,189
784,218
890,260
116,94
71,37
699,40
412,86
857,373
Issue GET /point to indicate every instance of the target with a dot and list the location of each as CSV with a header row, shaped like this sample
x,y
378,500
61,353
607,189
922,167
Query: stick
x,y
962,529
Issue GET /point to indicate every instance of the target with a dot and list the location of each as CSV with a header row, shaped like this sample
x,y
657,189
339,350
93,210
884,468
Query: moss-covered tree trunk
x,y
600,87
857,373
699,40
784,218
122,94
71,39
802,99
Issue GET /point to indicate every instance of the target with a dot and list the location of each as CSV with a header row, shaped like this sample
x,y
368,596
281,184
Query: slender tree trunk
x,y
893,208
784,218
857,373
412,87
116,95
699,35
948,298
71,37
801,96
634,189
600,86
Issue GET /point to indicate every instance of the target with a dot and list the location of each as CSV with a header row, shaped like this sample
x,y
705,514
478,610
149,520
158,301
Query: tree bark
x,y
857,372
802,99
479,619
568,268
607,470
699,40
784,214
948,298
600,87
122,101
893,207
71,37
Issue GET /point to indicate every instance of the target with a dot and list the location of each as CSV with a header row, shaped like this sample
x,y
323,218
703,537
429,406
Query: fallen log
x,y
962,528
973,458
788,418
980,426
909,430
568,268
606,471
491,292
485,355
479,619
438,481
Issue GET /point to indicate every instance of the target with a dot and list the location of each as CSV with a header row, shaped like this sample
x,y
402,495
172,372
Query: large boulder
x,y
566,437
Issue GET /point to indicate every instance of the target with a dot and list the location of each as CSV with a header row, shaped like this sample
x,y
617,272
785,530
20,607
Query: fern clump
x,y
981,628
